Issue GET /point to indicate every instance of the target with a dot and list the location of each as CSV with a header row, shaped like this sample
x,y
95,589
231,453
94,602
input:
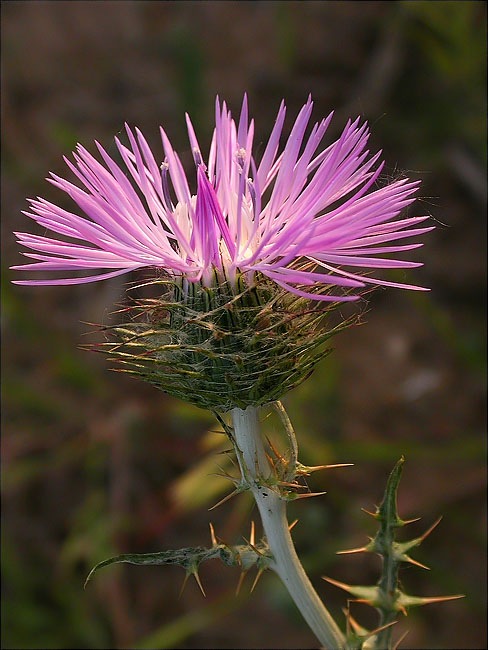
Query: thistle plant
x,y
246,271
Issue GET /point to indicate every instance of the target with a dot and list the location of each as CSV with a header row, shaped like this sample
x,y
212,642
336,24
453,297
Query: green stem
x,y
385,543
257,472
388,586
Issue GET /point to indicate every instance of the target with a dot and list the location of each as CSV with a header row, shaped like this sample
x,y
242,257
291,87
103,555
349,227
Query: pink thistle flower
x,y
295,206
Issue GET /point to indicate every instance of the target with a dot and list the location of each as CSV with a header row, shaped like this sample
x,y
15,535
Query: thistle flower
x,y
243,255
269,218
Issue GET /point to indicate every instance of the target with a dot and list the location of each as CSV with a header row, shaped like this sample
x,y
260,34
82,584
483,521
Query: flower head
x,y
297,217
241,257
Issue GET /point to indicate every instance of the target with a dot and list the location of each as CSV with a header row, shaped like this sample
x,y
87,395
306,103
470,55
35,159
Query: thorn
x,y
252,535
360,600
197,578
367,595
224,472
254,548
277,454
271,462
406,546
241,580
183,585
372,514
256,579
334,466
405,523
217,431
230,453
308,495
341,585
429,530
435,599
407,558
227,476
292,525
293,484
360,631
226,498
223,452
397,644
232,459
306,469
381,628
363,549
353,625
212,535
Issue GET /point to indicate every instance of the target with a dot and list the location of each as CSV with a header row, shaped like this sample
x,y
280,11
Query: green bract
x,y
225,346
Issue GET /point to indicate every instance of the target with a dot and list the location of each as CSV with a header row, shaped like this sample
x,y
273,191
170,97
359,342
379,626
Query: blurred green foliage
x,y
448,51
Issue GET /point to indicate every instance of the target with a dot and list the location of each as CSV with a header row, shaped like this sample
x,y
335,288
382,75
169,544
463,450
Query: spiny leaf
x,y
402,548
242,555
357,635
306,470
388,510
386,596
185,557
364,594
405,601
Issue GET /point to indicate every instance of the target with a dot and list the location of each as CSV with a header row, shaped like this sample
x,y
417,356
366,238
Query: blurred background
x,y
95,463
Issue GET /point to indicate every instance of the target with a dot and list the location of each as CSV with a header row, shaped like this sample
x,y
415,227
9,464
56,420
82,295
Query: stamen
x,y
197,157
165,185
252,192
241,157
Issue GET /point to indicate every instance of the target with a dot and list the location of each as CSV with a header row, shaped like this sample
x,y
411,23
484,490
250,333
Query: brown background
x,y
96,464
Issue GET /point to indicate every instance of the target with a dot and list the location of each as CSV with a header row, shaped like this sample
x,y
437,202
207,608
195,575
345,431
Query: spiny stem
x,y
385,540
388,586
256,471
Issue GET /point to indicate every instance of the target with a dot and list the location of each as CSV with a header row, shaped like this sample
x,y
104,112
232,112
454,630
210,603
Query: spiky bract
x,y
224,346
